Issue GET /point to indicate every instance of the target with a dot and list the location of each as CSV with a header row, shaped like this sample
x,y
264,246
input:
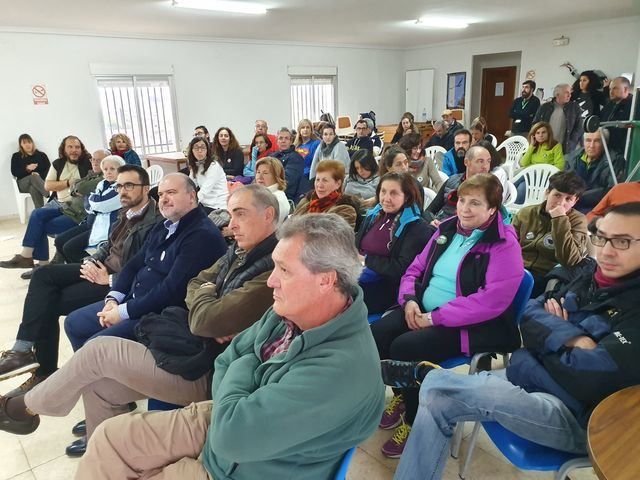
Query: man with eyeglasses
x,y
581,344
362,140
57,290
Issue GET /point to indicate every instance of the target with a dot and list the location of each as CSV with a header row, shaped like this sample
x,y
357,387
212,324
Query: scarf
x,y
468,231
119,153
320,205
326,149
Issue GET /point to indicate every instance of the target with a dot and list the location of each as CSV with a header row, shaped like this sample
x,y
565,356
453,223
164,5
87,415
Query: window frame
x,y
311,77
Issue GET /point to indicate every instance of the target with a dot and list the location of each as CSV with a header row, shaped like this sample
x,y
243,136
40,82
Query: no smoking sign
x,y
39,93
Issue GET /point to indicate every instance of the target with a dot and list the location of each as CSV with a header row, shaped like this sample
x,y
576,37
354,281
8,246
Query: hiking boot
x,y
394,447
14,363
18,261
405,374
31,382
18,427
392,415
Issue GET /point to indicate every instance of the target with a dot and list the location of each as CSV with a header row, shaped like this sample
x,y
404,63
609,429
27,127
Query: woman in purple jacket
x,y
455,297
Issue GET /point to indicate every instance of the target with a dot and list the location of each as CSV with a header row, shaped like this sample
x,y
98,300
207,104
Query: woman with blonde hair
x,y
306,143
120,145
543,148
327,196
270,174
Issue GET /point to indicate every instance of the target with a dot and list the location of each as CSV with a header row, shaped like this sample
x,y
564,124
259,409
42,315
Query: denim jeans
x,y
447,398
42,222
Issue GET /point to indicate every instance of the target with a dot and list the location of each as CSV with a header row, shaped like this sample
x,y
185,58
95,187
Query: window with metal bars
x,y
142,107
310,94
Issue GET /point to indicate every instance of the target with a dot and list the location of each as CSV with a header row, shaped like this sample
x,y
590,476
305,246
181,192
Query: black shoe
x,y
80,429
77,448
405,374
19,427
29,273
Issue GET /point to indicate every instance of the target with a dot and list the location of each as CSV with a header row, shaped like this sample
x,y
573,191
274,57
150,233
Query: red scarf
x,y
320,205
467,232
605,282
119,153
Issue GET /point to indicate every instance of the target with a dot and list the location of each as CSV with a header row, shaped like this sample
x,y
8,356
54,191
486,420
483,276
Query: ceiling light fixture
x,y
441,22
222,6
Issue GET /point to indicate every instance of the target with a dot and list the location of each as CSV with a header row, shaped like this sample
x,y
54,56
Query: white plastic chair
x,y
22,199
536,179
515,147
431,151
429,195
511,194
155,174
494,140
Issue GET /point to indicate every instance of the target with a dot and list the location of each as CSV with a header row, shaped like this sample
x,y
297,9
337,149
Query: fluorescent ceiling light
x,y
222,6
441,22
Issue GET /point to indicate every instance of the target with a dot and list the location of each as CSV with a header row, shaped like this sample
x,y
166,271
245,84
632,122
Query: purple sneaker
x,y
392,415
394,447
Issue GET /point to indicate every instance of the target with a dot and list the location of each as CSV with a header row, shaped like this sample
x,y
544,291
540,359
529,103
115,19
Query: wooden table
x,y
170,162
614,436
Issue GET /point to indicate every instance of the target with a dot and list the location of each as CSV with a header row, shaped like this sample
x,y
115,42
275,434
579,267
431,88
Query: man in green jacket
x,y
292,393
553,232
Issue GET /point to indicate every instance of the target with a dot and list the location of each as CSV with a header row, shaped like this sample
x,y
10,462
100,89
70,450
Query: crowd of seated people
x,y
275,322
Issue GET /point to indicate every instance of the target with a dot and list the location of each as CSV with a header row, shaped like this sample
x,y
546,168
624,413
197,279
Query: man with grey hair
x,y
591,164
297,183
565,117
292,393
441,137
618,109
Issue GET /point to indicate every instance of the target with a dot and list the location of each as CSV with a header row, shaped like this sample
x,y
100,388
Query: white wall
x,y
215,84
611,46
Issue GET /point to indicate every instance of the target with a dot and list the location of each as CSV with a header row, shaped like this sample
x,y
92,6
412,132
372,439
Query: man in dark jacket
x,y
362,139
565,118
618,109
441,137
223,300
57,290
476,160
582,343
293,163
156,277
524,109
591,164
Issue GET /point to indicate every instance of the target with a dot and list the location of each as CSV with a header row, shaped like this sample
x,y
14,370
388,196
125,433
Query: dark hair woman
x,y
228,152
207,174
586,92
391,235
363,177
30,166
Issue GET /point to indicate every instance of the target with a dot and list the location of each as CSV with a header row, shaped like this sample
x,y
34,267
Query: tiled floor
x,y
40,456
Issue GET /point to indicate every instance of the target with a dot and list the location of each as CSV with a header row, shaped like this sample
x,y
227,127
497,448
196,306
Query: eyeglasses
x,y
200,148
617,243
127,186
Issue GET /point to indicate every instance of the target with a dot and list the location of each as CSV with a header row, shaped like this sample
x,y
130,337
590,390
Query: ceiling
x,y
380,23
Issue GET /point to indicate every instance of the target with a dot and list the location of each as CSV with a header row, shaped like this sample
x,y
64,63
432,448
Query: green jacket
x,y
295,415
547,241
544,154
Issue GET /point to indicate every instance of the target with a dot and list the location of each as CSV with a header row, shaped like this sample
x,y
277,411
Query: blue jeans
x,y
82,325
447,398
42,222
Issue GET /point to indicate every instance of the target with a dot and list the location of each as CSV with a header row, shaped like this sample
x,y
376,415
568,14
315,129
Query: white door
x,y
419,93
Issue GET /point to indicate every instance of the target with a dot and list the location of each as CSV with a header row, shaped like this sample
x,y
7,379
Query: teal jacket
x,y
295,415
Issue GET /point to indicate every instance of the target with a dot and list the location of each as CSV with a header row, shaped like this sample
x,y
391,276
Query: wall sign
x,y
39,93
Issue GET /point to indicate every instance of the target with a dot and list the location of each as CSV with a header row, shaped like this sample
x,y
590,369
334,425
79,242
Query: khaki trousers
x,y
109,373
150,445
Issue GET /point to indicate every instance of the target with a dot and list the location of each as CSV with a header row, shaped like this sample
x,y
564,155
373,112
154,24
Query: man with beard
x,y
453,161
57,290
524,108
74,163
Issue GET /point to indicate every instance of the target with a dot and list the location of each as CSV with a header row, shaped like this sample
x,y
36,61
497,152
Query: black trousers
x,y
72,243
54,290
396,341
378,295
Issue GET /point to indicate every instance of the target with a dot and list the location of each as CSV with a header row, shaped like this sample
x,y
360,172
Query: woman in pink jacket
x,y
455,298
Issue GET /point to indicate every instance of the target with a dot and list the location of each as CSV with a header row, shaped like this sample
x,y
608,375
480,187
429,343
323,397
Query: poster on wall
x,y
39,92
456,84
